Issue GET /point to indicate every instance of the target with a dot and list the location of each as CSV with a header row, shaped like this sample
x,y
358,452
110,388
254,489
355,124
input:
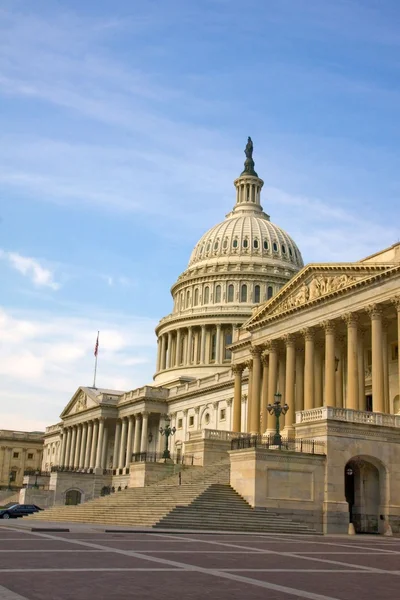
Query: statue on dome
x,y
249,148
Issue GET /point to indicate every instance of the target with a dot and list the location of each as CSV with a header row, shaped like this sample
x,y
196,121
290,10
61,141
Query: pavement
x,y
89,562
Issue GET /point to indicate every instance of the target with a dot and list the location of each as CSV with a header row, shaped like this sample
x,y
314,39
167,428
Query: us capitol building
x,y
249,320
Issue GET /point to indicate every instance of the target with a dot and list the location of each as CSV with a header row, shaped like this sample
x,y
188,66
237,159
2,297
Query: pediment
x,y
80,401
315,282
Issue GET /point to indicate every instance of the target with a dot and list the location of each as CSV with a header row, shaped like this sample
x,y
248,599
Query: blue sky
x,y
122,127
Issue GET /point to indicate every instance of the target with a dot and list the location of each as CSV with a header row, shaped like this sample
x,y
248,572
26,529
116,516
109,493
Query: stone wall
x,y
147,473
88,484
289,483
207,451
42,498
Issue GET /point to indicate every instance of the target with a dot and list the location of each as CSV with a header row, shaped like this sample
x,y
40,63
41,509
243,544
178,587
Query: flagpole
x,y
96,352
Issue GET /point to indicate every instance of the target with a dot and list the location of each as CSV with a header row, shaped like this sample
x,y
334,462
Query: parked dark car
x,y
13,511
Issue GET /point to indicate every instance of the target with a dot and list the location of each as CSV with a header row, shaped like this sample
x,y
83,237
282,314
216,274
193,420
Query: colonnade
x,y
322,365
85,446
194,345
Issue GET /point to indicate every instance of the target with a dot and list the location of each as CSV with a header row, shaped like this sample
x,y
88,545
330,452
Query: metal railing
x,y
34,473
184,459
291,445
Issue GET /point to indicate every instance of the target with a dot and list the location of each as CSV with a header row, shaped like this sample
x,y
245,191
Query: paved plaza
x,y
92,563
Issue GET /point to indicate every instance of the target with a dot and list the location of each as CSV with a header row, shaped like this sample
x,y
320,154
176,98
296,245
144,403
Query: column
x,y
385,360
92,461
129,442
78,446
289,383
189,347
143,438
256,391
196,347
88,445
117,440
264,393
63,448
396,302
218,344
203,345
299,379
168,361
83,446
318,388
100,441
361,371
178,348
352,361
330,373
308,369
163,353
158,354
375,312
339,373
272,379
136,439
122,448
105,448
237,397
73,446
249,365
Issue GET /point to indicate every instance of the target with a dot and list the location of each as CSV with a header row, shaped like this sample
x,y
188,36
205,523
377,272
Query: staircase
x,y
204,500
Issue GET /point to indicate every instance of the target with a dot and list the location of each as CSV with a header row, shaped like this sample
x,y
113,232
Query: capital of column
x,y
265,358
329,326
272,346
215,405
308,333
396,301
351,319
289,339
229,402
197,410
185,412
145,413
249,364
238,368
256,350
375,311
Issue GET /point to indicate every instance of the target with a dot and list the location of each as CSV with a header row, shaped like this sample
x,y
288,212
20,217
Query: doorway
x,y
362,490
73,497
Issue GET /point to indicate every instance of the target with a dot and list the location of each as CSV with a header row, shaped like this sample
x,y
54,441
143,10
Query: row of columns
x,y
312,375
84,446
196,347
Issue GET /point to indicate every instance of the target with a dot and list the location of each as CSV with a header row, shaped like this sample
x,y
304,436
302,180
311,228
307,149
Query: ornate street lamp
x,y
37,473
277,409
167,431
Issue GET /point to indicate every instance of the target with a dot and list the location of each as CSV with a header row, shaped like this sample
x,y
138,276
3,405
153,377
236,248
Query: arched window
x,y
255,244
230,293
283,248
245,243
216,244
196,297
257,294
218,293
243,293
270,292
235,243
208,247
213,346
228,341
206,295
225,244
275,247
265,245
187,299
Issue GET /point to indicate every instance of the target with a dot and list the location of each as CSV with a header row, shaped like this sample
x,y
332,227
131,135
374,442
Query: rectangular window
x,y
213,346
13,476
180,423
191,421
228,341
395,351
15,454
222,414
30,456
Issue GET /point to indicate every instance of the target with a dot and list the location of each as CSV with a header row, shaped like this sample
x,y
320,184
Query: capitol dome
x,y
236,265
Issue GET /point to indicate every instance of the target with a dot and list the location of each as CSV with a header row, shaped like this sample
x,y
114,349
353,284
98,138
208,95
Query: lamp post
x,y
10,479
167,431
277,409
37,473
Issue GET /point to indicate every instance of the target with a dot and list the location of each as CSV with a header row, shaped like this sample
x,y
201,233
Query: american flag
x,y
96,348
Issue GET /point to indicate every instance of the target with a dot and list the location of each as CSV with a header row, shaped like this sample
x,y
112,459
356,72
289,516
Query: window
x,y
196,297
213,346
206,295
235,243
225,244
207,418
283,248
270,292
208,247
257,294
191,421
222,414
216,245
395,351
13,476
187,299
218,293
15,454
243,293
180,423
230,293
255,244
228,341
245,243
202,250
265,245
275,247
290,251
30,456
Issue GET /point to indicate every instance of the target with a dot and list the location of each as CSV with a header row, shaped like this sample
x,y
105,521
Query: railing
x,y
215,434
21,435
348,415
184,459
291,445
34,473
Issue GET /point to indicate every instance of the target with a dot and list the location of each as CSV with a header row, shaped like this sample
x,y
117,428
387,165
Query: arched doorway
x,y
363,489
73,497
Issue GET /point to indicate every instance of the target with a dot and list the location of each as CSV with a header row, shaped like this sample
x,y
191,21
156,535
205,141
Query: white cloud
x,y
44,358
31,268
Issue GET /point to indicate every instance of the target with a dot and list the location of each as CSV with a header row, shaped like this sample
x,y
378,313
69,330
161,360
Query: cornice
x,y
203,391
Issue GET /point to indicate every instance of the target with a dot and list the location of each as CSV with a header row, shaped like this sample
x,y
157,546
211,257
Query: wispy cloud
x,y
31,268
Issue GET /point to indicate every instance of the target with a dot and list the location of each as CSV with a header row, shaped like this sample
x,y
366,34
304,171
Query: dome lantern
x,y
248,185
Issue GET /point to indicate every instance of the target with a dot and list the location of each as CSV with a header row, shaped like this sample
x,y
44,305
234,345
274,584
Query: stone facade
x,y
20,451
